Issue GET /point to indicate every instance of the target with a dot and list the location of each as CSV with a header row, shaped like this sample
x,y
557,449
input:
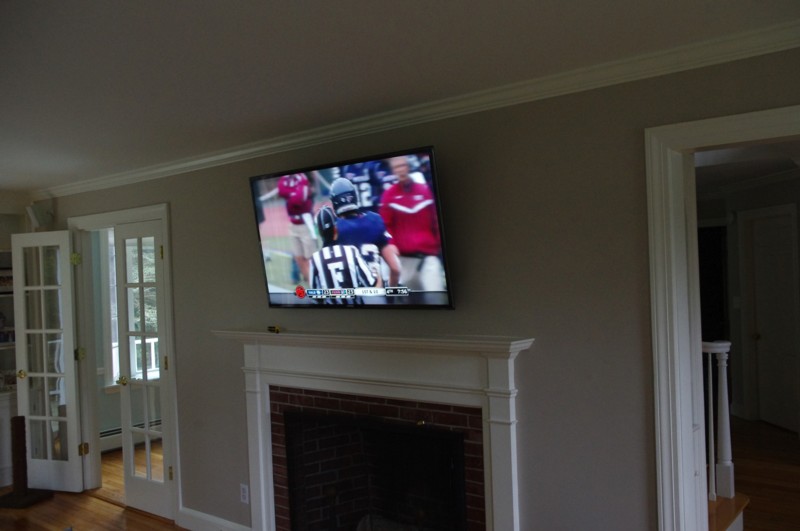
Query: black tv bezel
x,y
434,185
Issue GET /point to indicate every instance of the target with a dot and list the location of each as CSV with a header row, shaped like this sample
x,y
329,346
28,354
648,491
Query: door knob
x,y
21,374
123,380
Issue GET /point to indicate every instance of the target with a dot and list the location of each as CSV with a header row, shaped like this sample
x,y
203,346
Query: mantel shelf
x,y
488,346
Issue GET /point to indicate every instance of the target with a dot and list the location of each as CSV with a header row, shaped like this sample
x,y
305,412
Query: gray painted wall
x,y
546,222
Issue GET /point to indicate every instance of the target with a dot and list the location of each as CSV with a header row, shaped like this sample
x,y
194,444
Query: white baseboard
x,y
111,442
114,442
197,521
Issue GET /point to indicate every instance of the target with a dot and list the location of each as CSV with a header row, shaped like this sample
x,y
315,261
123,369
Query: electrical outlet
x,y
244,493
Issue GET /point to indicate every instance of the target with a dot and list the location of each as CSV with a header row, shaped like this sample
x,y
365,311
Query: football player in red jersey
x,y
298,193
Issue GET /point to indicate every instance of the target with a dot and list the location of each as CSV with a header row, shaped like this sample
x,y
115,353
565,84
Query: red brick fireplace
x,y
407,415
458,384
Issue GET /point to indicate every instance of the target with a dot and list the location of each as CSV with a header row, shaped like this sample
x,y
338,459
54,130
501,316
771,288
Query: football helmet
x,y
344,196
325,221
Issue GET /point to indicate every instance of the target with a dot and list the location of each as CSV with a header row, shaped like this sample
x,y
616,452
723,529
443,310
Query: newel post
x,y
724,465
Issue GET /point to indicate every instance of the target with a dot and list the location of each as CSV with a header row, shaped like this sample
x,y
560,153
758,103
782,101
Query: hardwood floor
x,y
113,489
81,512
96,510
766,462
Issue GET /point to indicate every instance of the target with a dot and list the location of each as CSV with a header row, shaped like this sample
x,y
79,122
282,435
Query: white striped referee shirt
x,y
340,267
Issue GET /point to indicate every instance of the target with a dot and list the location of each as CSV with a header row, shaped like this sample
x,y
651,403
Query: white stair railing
x,y
720,455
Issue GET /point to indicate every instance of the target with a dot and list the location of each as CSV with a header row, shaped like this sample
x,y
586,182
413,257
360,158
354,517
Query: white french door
x,y
147,437
47,370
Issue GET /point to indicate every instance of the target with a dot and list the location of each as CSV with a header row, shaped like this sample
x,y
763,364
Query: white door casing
x,y
145,221
680,458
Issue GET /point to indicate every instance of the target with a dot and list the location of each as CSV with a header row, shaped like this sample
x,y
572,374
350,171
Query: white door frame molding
x,y
77,224
675,301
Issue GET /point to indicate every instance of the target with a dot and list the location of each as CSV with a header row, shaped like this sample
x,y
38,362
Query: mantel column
x,y
500,444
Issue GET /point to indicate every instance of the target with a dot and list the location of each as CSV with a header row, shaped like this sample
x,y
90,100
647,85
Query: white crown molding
x,y
717,51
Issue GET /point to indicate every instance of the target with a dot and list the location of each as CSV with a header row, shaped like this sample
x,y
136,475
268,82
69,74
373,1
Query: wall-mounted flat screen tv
x,y
362,233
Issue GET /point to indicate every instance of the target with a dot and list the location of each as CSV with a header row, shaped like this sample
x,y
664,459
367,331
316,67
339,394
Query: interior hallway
x,y
766,462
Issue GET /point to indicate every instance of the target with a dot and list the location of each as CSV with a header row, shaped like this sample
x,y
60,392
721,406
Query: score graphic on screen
x,y
397,292
353,292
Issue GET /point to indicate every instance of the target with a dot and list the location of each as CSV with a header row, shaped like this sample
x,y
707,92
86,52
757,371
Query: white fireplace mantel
x,y
473,371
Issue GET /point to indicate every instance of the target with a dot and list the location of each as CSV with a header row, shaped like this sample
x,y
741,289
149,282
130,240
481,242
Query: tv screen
x,y
362,233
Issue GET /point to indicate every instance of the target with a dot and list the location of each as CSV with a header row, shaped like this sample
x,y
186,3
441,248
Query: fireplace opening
x,y
361,473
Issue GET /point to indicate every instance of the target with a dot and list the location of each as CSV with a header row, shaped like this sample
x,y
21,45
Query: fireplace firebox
x,y
343,470
344,460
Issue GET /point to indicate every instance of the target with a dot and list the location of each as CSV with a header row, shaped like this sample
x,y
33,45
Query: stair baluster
x,y
721,469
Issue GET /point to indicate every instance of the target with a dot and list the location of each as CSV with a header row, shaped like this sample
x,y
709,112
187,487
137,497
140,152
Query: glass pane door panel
x,y
134,310
154,394
149,259
137,406
56,391
140,460
35,352
50,266
156,460
31,264
137,350
132,260
60,441
55,353
150,310
33,309
149,459
152,360
36,396
52,308
38,438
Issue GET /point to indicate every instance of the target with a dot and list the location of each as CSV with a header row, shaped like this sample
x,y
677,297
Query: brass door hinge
x,y
166,363
162,251
83,449
75,259
80,354
170,474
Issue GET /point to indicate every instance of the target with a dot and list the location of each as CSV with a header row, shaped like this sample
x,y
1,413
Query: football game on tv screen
x,y
354,234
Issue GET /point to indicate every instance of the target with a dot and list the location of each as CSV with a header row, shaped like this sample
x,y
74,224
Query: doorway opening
x,y
128,401
747,246
675,301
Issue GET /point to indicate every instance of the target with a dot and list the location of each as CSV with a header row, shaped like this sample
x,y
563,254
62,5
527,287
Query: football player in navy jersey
x,y
367,182
336,265
366,230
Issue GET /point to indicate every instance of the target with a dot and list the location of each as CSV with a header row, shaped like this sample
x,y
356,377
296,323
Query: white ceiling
x,y
91,89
